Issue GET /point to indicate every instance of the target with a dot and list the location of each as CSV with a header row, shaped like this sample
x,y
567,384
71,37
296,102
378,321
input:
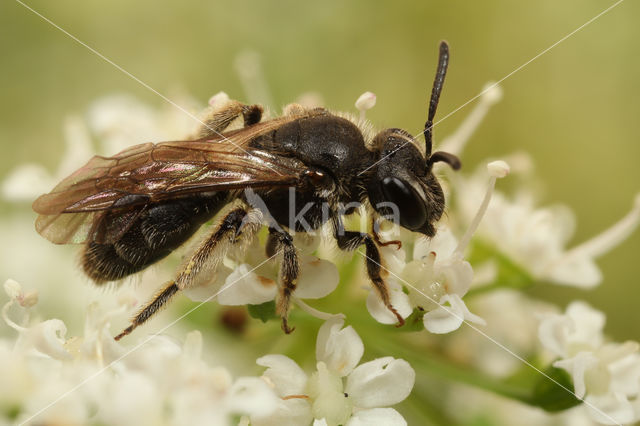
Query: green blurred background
x,y
575,109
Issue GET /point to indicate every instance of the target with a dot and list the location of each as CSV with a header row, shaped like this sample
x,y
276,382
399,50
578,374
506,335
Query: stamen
x,y
366,101
497,169
610,238
313,311
491,94
9,321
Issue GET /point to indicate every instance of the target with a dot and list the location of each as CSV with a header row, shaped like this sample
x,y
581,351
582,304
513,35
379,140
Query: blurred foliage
x,y
574,109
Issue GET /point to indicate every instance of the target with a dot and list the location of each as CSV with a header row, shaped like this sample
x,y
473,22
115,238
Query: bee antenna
x,y
443,62
444,157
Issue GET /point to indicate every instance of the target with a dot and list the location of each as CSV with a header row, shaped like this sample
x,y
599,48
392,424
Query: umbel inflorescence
x,y
458,292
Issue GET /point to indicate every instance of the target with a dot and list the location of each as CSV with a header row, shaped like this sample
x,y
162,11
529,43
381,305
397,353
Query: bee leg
x,y
238,225
350,240
280,240
220,119
375,227
161,299
293,109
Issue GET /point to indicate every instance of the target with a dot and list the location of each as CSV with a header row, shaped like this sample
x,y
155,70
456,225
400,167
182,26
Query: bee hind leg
x,y
219,119
239,225
280,240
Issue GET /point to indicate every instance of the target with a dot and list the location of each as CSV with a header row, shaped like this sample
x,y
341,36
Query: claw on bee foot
x,y
393,310
397,243
286,328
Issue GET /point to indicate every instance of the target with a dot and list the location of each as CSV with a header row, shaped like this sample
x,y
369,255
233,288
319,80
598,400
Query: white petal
x,y
243,287
318,278
320,422
326,391
575,271
252,396
340,349
552,333
458,275
443,244
589,322
192,347
48,338
577,367
393,258
610,409
377,417
208,290
287,377
625,375
380,383
446,319
399,300
289,412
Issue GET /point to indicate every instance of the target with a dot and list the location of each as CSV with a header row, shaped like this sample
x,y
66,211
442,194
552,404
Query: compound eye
x,y
413,212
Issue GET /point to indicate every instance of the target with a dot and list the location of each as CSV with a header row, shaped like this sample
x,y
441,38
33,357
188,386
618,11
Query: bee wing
x,y
151,173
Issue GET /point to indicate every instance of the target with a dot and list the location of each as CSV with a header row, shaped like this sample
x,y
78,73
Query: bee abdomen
x,y
156,232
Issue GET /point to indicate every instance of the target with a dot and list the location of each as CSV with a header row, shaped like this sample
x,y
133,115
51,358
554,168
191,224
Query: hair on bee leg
x,y
280,240
294,109
236,226
151,308
251,114
351,240
220,119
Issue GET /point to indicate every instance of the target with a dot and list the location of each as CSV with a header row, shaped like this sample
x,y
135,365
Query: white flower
x,y
339,392
53,379
238,283
438,276
605,375
536,238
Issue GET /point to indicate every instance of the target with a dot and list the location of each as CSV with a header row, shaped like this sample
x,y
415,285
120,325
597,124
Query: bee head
x,y
402,188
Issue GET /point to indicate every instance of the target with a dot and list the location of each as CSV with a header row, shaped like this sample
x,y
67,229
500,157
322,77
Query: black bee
x,y
134,208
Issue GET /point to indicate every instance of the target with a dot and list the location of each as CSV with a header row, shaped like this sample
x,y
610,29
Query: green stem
x,y
436,366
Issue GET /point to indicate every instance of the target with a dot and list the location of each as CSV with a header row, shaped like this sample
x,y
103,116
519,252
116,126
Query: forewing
x,y
151,173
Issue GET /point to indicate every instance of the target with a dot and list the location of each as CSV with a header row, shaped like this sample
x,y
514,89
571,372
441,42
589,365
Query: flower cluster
x,y
487,242
605,374
162,382
51,379
438,276
339,392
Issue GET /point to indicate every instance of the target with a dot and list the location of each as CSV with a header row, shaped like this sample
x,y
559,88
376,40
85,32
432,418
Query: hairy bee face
x,y
401,187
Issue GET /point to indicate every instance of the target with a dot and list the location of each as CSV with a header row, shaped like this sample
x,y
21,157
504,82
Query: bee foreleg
x,y
220,119
238,225
280,240
350,240
375,228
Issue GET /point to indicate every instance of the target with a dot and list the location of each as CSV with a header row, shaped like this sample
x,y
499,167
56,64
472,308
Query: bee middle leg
x,y
351,240
238,225
280,240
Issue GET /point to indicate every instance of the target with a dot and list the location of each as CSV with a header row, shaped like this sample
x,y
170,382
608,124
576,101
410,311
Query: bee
x,y
133,209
